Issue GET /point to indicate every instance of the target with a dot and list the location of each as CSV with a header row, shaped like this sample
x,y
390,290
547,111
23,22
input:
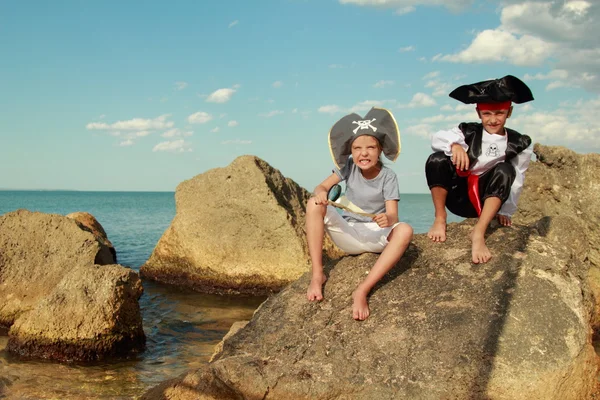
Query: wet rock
x,y
56,301
238,229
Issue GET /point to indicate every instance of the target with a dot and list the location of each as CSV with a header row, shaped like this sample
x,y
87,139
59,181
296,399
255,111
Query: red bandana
x,y
494,106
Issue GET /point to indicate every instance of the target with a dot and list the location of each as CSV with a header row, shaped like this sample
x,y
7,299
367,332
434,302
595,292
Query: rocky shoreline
x,y
518,327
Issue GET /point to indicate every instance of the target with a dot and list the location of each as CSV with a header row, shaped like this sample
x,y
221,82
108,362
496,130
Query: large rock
x,y
87,222
57,300
238,229
518,327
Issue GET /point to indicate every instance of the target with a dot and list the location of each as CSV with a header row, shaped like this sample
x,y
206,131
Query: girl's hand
x,y
459,157
382,220
504,220
321,198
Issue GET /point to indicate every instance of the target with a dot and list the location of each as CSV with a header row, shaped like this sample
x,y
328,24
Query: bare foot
x,y
315,288
437,232
360,307
479,251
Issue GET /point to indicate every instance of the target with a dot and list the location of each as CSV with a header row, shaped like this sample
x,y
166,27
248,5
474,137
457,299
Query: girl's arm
x,y
320,192
390,217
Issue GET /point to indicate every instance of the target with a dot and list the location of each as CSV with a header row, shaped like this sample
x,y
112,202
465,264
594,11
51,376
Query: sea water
x,y
181,326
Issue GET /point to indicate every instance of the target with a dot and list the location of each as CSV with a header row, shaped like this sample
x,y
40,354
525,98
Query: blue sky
x,y
141,95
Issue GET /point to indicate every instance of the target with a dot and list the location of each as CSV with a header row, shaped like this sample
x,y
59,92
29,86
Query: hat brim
x,y
508,88
378,122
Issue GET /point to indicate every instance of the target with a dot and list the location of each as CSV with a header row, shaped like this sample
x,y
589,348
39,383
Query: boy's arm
x,y
443,140
521,163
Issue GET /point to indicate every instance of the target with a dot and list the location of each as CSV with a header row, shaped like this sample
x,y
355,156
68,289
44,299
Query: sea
x,y
181,326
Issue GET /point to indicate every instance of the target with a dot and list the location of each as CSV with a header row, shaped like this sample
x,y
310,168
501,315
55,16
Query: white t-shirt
x,y
490,156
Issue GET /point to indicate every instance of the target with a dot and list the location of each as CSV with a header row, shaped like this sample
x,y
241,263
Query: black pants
x,y
494,183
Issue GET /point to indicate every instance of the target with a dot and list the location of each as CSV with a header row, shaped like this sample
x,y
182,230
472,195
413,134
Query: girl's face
x,y
365,152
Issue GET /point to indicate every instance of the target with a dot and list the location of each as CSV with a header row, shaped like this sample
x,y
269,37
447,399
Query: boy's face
x,y
494,120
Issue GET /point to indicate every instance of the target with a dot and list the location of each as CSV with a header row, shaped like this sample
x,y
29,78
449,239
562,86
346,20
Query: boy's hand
x,y
504,220
459,157
382,220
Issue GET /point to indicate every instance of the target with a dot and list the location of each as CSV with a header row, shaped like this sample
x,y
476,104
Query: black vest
x,y
473,132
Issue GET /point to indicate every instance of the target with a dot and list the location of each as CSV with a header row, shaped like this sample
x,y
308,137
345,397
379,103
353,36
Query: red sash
x,y
472,188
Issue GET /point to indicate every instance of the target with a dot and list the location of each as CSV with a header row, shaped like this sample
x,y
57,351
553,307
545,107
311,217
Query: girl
x,y
369,185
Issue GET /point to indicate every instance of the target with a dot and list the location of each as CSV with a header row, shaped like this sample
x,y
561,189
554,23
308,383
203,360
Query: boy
x,y
478,169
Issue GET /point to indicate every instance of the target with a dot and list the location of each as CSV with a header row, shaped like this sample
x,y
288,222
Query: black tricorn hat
x,y
379,123
509,88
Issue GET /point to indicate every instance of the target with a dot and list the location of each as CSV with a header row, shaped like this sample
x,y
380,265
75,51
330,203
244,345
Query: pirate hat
x,y
379,123
507,89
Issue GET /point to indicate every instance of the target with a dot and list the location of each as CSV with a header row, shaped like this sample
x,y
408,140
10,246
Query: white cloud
x,y
142,133
402,6
495,45
236,141
558,35
419,100
421,130
573,125
176,132
200,117
330,109
405,10
406,49
233,23
221,95
277,84
382,84
431,75
126,143
271,113
232,123
135,124
180,85
175,146
215,129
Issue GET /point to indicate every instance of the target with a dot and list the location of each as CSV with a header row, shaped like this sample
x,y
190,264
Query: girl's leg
x,y
315,231
398,242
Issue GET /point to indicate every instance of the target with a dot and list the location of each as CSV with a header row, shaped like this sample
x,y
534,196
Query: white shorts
x,y
356,237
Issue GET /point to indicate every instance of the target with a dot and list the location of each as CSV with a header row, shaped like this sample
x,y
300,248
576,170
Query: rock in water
x,y
59,303
517,327
238,229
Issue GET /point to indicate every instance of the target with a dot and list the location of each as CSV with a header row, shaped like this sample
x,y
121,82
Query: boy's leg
x,y
437,232
494,188
439,172
315,231
479,251
399,239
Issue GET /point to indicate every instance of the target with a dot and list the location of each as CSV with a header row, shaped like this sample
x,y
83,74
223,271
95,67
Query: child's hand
x,y
504,220
320,198
382,220
459,157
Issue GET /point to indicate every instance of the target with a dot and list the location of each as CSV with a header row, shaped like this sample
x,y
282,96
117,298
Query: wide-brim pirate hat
x,y
379,123
508,88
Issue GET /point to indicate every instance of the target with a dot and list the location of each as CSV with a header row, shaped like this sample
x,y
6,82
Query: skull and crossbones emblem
x,y
364,124
492,150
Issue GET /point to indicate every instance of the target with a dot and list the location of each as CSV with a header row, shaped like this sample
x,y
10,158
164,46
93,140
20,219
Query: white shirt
x,y
489,158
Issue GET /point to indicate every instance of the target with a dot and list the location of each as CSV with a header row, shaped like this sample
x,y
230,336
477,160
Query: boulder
x,y
238,229
517,327
87,222
58,302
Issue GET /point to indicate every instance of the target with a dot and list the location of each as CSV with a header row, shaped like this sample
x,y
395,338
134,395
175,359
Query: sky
x,y
142,95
